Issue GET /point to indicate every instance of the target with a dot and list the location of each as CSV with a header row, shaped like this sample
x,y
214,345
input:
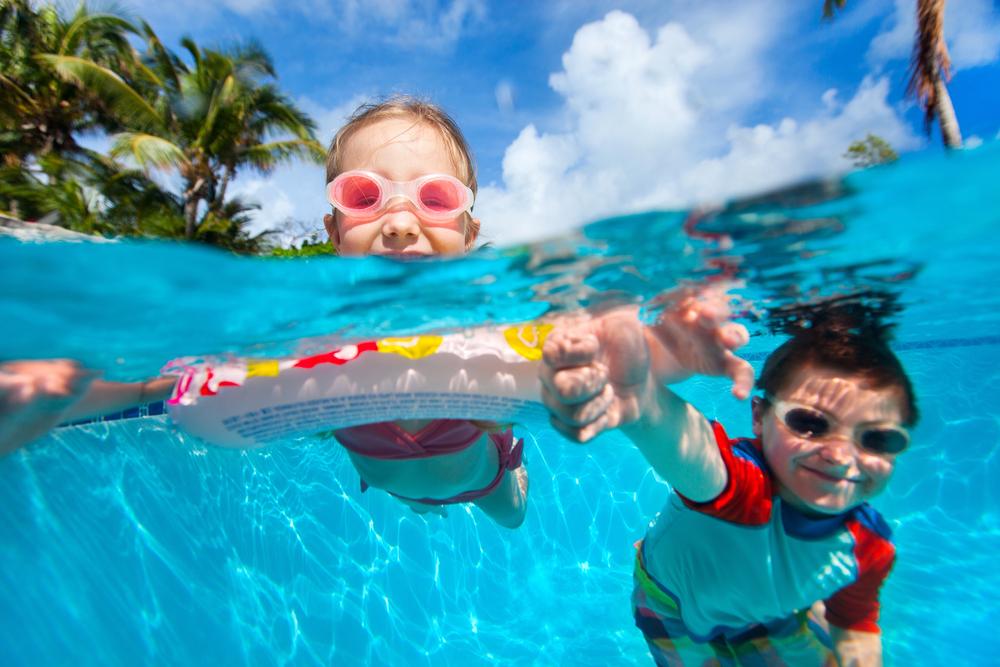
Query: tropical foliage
x,y
873,150
196,119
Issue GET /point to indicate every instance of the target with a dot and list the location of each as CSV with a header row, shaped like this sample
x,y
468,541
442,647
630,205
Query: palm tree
x,y
830,6
215,117
930,69
57,78
90,193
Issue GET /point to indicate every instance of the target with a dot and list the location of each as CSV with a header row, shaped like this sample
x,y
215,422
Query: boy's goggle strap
x,y
438,197
810,422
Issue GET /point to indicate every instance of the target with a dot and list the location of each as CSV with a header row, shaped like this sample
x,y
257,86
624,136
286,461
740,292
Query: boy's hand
x,y
596,374
34,396
695,336
603,373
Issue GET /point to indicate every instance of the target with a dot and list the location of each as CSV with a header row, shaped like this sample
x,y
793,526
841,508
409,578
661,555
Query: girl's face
x,y
399,149
833,473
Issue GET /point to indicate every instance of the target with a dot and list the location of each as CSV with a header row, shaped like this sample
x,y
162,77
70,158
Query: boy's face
x,y
399,149
833,473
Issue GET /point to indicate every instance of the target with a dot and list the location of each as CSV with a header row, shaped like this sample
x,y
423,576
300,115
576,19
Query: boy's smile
x,y
399,149
832,473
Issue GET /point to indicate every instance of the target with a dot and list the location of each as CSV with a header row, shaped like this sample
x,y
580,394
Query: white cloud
x,y
505,96
648,123
972,31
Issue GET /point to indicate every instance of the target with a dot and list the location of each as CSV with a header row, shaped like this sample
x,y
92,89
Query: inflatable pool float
x,y
482,374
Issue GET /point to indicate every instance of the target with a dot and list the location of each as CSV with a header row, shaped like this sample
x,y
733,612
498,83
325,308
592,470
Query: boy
x,y
757,532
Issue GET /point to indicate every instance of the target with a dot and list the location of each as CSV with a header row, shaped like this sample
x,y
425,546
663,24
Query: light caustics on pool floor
x,y
151,548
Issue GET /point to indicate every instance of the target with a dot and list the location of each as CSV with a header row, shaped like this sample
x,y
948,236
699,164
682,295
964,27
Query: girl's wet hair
x,y
848,336
420,111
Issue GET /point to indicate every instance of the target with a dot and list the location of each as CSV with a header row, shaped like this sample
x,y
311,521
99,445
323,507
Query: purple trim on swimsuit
x,y
511,456
387,441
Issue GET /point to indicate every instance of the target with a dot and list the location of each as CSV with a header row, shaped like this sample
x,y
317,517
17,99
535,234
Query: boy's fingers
x,y
573,385
741,373
580,414
580,434
733,335
567,348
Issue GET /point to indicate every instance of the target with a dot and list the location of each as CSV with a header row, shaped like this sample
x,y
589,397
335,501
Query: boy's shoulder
x,y
747,449
868,518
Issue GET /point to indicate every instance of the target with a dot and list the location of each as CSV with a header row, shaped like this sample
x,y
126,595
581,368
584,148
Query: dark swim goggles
x,y
812,423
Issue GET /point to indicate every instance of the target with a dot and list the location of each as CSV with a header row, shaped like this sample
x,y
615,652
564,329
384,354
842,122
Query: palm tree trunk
x,y
220,195
190,217
192,197
945,113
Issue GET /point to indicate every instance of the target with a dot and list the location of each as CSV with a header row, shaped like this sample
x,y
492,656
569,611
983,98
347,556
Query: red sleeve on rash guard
x,y
747,496
856,607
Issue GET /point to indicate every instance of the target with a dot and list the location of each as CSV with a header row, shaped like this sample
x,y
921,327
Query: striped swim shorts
x,y
793,641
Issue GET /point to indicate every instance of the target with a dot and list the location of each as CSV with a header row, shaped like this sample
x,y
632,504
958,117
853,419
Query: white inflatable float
x,y
482,374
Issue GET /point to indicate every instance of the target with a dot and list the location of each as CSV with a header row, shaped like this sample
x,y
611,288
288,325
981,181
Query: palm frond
x,y
265,157
148,151
84,24
121,98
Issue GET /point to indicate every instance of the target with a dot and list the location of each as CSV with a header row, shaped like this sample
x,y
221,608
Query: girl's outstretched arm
x,y
37,395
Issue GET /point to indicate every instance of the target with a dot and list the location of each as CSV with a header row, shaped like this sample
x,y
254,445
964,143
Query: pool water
x,y
126,542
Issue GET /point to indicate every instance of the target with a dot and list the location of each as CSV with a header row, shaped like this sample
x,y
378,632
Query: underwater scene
x,y
128,541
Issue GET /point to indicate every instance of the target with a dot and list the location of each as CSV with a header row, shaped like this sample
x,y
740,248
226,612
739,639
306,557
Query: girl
x,y
401,181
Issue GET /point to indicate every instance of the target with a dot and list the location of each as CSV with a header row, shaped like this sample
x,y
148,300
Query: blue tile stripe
x,y
135,412
914,345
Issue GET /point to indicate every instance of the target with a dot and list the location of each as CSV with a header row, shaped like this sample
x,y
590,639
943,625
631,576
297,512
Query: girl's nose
x,y
401,222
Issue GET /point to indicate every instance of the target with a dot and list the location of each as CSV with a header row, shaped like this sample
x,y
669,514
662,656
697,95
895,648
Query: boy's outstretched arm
x,y
608,372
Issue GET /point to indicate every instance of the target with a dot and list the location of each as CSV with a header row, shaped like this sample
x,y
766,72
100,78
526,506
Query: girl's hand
x,y
35,396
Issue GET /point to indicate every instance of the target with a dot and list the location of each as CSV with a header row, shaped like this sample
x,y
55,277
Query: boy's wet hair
x,y
847,337
420,111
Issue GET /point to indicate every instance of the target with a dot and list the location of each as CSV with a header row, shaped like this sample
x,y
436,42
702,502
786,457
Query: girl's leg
x,y
508,503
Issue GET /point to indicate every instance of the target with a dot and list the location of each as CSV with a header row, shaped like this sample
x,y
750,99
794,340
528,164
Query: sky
x,y
582,109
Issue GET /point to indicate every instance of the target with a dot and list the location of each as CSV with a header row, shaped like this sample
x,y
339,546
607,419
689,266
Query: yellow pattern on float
x,y
265,368
528,340
412,347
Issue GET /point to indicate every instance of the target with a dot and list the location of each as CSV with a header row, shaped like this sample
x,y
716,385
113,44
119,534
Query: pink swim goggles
x,y
364,194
